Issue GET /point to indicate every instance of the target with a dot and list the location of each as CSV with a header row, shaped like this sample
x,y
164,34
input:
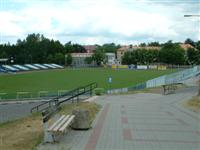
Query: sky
x,y
100,21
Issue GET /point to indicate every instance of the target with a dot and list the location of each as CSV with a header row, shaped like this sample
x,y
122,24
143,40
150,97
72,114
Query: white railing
x,y
174,77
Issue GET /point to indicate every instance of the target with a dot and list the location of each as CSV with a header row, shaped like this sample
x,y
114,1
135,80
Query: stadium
x,y
99,75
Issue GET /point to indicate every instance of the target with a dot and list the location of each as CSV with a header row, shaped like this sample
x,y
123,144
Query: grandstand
x,y
21,67
32,67
28,67
10,68
2,69
41,66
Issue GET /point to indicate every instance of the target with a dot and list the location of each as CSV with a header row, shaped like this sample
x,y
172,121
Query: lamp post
x,y
11,60
196,15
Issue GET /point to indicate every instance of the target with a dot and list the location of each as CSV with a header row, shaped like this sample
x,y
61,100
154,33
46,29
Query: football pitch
x,y
66,79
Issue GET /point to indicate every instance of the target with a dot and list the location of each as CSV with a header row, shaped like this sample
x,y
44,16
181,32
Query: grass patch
x,y
54,80
91,106
27,133
22,134
194,104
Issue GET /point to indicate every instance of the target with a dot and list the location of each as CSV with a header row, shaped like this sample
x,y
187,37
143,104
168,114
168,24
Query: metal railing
x,y
70,95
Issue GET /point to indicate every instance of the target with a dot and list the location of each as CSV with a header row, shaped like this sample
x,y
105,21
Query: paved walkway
x,y
138,122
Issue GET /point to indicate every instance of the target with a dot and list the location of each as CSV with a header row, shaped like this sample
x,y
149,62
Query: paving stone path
x,y
142,121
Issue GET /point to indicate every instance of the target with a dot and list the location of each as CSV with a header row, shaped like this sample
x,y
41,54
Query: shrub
x,y
99,91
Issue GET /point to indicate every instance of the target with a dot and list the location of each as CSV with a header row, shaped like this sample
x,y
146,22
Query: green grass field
x,y
54,80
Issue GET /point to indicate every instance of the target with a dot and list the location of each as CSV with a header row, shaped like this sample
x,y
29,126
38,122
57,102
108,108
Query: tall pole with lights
x,y
199,74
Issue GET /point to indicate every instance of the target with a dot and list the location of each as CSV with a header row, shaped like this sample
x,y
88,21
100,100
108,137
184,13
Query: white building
x,y
78,59
110,59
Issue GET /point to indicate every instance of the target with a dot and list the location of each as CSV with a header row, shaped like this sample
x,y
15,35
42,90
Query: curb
x,y
91,99
22,102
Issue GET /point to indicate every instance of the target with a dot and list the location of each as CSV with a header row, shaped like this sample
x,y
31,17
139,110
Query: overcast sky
x,y
100,21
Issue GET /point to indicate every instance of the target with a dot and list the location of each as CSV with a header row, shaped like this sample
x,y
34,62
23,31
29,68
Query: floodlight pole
x,y
199,74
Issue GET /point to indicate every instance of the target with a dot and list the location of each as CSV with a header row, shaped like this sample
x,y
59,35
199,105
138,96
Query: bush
x,y
99,91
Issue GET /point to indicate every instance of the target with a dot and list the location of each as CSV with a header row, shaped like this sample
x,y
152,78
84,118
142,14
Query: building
x,y
90,48
110,58
78,59
185,46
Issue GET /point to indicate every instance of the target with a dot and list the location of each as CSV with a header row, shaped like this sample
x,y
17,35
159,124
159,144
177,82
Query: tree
x,y
127,59
99,56
88,60
110,48
192,56
78,48
172,54
151,56
69,59
59,58
189,41
140,56
154,44
142,44
69,47
50,58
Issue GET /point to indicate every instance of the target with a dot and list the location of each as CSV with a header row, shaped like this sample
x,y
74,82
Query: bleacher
x,y
10,68
20,67
2,70
28,67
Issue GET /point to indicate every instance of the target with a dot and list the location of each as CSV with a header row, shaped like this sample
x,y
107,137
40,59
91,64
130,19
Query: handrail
x,y
73,93
78,94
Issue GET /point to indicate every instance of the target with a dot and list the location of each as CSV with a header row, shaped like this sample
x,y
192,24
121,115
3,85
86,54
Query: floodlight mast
x,y
199,74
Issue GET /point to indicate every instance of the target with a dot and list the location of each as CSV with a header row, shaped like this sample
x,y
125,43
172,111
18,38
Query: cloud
x,y
101,21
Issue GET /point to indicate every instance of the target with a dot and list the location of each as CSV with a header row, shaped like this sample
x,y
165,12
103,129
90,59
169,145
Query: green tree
x,y
154,44
189,41
78,48
142,44
69,59
172,54
99,56
192,56
59,58
69,47
50,58
110,48
88,60
128,59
